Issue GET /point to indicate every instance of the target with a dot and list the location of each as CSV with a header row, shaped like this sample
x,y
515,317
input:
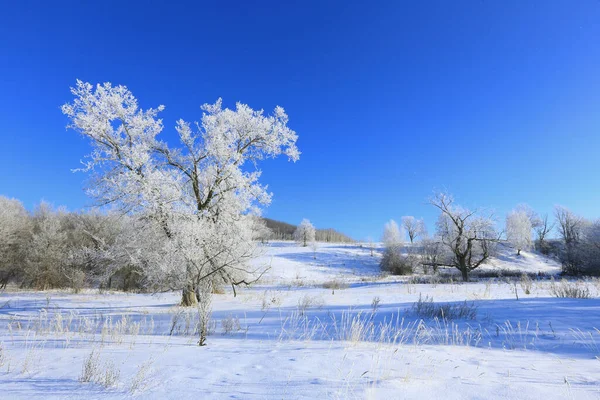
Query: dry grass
x,y
426,308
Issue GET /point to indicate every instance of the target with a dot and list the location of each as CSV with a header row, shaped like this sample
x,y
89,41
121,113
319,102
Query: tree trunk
x,y
465,274
188,297
519,252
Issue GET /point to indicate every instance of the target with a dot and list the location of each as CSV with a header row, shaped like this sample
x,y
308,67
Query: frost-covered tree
x,y
414,227
305,233
199,197
15,232
260,230
392,235
518,230
468,235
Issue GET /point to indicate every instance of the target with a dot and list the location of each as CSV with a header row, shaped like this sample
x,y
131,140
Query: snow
x,y
299,340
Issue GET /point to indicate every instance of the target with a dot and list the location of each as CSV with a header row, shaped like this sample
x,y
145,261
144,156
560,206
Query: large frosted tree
x,y
199,196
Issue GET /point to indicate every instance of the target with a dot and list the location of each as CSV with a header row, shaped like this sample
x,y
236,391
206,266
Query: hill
x,y
284,231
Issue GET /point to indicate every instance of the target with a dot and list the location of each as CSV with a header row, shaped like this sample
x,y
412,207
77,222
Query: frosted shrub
x,y
394,262
111,375
231,324
575,290
335,284
140,380
307,302
90,368
375,304
426,308
526,283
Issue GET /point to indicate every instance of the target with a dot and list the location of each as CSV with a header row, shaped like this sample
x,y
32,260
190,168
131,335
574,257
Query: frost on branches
x,y
194,202
469,236
518,230
305,233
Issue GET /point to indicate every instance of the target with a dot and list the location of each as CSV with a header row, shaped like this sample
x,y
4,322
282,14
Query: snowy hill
x,y
296,335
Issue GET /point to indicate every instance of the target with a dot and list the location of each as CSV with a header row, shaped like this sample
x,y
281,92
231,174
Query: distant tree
x,y
260,230
542,229
468,235
392,236
305,233
15,234
414,227
46,264
589,249
394,260
571,230
314,246
371,245
518,230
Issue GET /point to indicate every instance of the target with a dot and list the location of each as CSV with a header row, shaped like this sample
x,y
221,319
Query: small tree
x,y
371,245
468,235
432,254
393,260
542,228
392,236
305,233
518,230
414,227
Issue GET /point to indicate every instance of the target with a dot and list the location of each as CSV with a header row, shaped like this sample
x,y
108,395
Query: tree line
x,y
284,231
466,239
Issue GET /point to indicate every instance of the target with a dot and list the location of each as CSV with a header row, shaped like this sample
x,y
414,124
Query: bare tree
x,y
414,227
432,254
542,229
468,235
571,229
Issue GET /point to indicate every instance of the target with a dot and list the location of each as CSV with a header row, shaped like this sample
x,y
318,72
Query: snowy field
x,y
319,325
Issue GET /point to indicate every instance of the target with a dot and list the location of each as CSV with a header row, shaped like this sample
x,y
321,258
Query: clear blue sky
x,y
496,101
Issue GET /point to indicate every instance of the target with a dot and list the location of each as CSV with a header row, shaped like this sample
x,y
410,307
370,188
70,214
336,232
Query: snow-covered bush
x,y
575,290
396,263
427,308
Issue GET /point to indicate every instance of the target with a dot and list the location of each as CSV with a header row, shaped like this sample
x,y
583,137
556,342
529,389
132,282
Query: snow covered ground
x,y
320,325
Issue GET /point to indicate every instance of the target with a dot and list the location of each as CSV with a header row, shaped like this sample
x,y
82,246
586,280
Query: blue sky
x,y
495,101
